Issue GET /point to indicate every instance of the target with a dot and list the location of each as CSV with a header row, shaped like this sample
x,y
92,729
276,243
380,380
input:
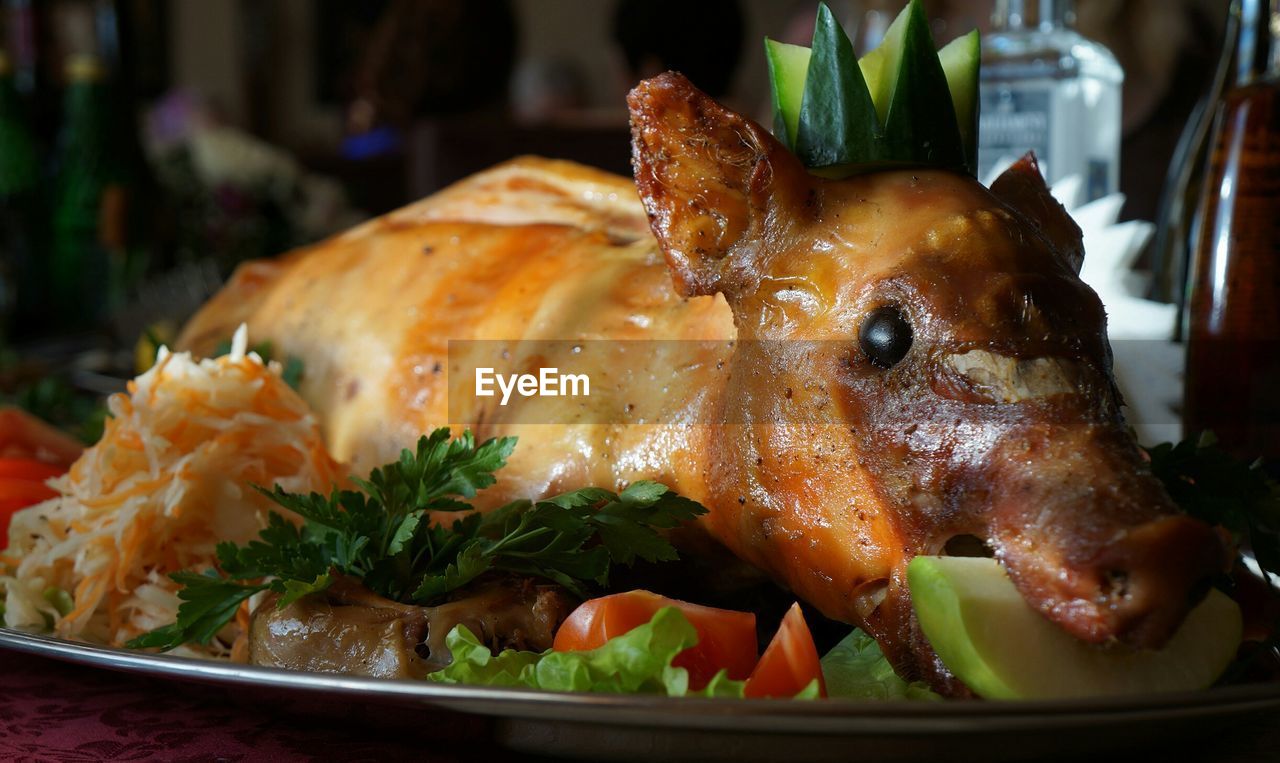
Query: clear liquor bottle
x,y
1046,88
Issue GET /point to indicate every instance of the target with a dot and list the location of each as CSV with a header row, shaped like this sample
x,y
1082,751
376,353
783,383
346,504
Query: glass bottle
x,y
21,221
1174,238
1233,332
1046,88
90,199
869,20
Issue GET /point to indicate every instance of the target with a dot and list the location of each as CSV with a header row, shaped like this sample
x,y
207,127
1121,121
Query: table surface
x,y
51,710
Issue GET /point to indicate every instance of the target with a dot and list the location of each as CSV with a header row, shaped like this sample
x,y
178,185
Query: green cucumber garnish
x,y
788,69
904,103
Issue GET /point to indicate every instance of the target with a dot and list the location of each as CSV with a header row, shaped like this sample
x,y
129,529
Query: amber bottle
x,y
1233,337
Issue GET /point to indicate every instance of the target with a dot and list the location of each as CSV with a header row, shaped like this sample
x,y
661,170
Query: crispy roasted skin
x,y
830,473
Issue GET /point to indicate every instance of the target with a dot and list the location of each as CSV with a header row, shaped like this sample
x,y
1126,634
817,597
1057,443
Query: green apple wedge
x,y
985,632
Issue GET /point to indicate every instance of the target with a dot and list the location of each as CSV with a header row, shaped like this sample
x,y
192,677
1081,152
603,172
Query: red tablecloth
x,y
55,711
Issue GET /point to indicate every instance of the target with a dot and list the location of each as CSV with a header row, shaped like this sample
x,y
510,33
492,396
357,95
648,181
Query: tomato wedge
x,y
726,639
22,485
25,436
790,663
28,469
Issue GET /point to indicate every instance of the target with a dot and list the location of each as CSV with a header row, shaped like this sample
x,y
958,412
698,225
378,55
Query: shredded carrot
x,y
87,596
115,499
242,616
158,370
58,528
130,440
158,492
130,548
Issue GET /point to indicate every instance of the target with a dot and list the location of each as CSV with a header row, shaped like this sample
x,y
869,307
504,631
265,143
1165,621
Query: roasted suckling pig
x,y
876,367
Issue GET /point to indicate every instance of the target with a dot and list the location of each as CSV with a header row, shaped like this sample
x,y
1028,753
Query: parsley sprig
x,y
382,534
1212,485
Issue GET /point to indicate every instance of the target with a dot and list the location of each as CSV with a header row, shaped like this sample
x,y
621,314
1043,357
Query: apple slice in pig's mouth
x,y
1001,648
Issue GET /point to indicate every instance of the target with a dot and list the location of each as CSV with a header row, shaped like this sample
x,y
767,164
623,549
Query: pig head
x,y
918,365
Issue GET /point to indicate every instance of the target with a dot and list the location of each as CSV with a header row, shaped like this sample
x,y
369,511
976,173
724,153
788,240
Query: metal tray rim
x,y
836,716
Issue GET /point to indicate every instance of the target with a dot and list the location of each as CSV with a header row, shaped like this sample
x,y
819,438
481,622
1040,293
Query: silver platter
x,y
651,728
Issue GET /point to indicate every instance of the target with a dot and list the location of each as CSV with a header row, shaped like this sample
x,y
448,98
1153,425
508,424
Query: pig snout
x,y
1092,539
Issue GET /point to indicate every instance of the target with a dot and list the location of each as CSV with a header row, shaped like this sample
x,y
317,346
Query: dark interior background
x,y
238,129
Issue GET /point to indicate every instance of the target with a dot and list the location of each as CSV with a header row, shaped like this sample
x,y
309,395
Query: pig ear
x,y
1022,187
712,182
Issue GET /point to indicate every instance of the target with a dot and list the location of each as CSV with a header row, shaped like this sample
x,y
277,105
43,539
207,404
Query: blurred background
x,y
148,146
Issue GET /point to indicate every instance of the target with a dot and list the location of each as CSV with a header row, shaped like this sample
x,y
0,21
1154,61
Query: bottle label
x,y
1099,181
1011,123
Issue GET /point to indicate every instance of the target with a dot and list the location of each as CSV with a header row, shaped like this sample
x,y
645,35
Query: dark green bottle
x,y
23,288
91,199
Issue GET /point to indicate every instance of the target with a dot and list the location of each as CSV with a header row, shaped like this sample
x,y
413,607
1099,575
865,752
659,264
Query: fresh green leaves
x,y
441,468
901,104
571,538
639,661
384,536
53,399
857,669
60,600
1210,484
636,662
209,601
475,665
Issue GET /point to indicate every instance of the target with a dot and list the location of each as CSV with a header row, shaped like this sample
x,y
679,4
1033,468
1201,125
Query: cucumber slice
x,y
961,59
896,106
921,124
983,630
837,118
788,70
880,66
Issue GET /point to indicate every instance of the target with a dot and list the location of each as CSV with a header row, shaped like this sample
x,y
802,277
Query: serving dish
x,y
638,727
852,465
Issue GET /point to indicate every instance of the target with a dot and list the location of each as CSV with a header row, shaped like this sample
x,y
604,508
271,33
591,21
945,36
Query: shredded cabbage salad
x,y
169,480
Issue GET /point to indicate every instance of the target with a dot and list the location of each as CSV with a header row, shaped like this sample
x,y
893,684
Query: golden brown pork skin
x,y
819,466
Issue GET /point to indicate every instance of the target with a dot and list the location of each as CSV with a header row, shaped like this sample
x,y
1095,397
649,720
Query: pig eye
x,y
885,336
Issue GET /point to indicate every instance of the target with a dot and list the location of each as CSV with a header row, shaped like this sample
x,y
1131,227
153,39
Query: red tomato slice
x,y
726,639
28,469
790,663
18,494
23,435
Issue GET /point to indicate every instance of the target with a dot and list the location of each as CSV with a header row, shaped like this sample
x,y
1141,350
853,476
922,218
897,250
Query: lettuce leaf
x,y
637,662
857,669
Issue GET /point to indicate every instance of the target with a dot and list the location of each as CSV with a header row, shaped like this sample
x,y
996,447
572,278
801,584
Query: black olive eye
x,y
885,336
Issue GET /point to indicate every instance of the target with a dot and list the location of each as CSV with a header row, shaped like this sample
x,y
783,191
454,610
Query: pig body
x,y
830,448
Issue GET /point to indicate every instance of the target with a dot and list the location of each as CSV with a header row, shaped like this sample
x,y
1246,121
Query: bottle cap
x,y
83,67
